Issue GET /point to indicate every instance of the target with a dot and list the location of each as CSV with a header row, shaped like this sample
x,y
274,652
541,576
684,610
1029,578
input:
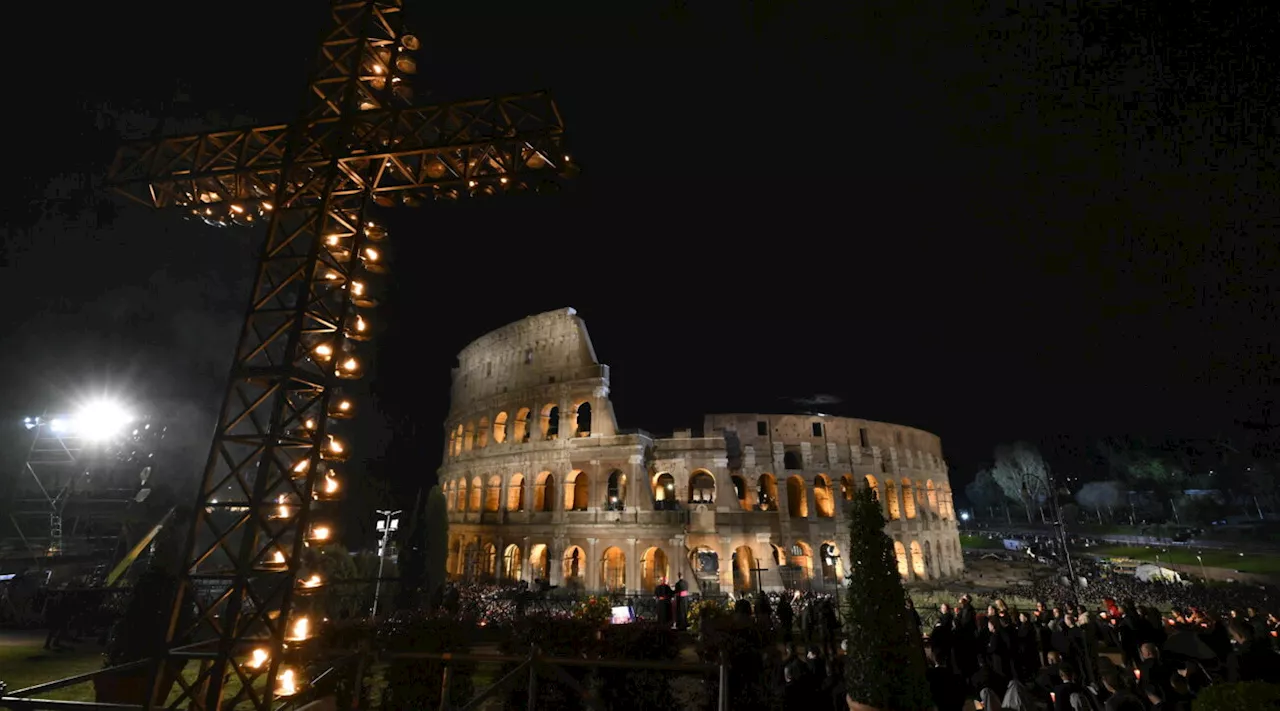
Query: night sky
x,y
990,224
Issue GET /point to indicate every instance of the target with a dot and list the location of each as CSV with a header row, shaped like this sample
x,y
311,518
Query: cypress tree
x,y
884,668
436,519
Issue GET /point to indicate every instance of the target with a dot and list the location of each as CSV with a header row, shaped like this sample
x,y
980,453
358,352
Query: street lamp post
x,y
1060,530
386,525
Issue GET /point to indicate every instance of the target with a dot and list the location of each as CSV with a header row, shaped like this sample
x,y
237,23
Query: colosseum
x,y
543,486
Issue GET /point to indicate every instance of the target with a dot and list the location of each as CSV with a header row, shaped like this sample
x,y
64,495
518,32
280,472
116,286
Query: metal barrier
x,y
529,668
532,665
20,699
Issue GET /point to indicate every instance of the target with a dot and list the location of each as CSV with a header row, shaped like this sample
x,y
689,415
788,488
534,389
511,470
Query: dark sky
x,y
992,224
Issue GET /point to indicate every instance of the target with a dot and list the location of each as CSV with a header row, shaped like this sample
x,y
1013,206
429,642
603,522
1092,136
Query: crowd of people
x,y
1052,657
1155,650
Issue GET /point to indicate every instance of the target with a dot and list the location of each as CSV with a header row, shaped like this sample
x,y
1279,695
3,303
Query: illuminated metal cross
x,y
359,143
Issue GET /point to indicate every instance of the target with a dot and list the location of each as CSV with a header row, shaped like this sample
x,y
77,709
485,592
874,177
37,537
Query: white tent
x,y
1149,573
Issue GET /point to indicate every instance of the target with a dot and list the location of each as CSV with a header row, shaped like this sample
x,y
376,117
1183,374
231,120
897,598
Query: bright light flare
x,y
99,420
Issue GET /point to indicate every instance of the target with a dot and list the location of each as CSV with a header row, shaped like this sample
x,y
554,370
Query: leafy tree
x,y
983,492
1023,475
1200,509
885,666
1099,496
1141,464
436,524
1156,472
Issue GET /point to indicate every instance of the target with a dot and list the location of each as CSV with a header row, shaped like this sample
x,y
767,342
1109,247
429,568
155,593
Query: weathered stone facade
x,y
541,483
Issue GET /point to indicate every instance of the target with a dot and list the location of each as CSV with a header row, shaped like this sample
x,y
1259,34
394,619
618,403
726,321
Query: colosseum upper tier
x,y
542,485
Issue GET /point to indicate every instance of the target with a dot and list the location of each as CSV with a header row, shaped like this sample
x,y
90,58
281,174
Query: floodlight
x,y
100,420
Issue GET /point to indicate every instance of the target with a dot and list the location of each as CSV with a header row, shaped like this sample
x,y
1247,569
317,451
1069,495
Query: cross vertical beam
x,y
357,145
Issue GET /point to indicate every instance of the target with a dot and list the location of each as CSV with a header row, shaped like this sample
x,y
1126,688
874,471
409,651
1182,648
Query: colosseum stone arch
x,y
542,485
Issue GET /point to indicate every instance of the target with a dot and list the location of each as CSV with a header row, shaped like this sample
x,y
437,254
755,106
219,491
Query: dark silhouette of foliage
x,y
885,665
755,668
638,689
553,637
583,638
1238,696
141,632
436,543
414,684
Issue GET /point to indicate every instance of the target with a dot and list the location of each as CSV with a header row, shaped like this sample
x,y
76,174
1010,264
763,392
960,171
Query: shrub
x,y
706,610
755,671
1251,695
554,637
140,632
414,684
626,689
343,637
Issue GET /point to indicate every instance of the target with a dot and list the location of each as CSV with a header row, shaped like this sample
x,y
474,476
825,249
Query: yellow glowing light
x,y
361,325
504,180
351,365
310,423
333,240
330,485
357,288
371,254
278,558
324,351
331,275
301,630
238,209
344,406
320,533
471,183
286,683
267,207
258,659
311,582
302,466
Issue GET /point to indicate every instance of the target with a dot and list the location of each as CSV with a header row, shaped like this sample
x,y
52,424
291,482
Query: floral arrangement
x,y
708,608
594,609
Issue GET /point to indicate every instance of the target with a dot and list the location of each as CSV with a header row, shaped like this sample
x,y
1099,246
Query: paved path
x,y
1127,539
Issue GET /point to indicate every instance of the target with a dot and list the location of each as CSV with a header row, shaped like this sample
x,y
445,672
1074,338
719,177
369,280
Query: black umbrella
x,y
1188,645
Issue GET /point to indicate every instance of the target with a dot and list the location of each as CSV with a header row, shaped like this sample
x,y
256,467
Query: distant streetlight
x,y
1203,574
386,526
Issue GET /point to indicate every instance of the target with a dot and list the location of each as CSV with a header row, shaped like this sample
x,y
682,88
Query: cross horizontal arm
x,y
410,154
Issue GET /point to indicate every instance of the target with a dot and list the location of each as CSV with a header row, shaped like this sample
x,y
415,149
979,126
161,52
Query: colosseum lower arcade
x,y
542,485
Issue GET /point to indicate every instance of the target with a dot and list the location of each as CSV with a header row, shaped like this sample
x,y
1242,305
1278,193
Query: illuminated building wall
x,y
541,483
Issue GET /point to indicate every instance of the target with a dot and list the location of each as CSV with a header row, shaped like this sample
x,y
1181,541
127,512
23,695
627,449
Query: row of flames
x,y
338,353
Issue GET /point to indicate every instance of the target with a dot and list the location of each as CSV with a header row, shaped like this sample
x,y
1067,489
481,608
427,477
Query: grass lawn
x,y
1260,563
24,662
979,543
